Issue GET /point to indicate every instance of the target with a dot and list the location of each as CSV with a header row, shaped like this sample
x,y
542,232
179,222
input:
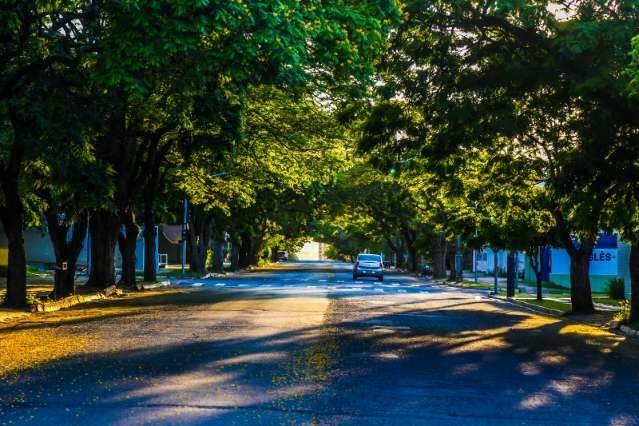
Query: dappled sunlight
x,y
258,357
179,383
464,369
26,349
245,354
584,330
529,368
478,345
536,401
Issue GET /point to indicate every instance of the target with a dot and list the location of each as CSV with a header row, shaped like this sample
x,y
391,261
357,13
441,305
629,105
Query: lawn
x,y
473,284
605,300
551,304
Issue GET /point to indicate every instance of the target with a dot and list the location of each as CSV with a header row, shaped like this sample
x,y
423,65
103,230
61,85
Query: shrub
x,y
624,314
616,289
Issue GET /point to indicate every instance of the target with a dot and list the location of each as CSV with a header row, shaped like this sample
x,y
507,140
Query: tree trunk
x,y
439,248
453,264
535,255
274,252
257,244
199,236
150,254
244,253
580,293
12,216
218,256
12,219
412,251
104,226
66,252
401,254
510,274
235,255
634,282
127,242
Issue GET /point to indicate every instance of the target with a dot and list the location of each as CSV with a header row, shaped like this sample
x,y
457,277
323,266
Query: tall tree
x,y
543,78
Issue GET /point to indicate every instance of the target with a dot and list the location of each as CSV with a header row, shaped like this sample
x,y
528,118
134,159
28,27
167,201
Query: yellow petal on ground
x,y
585,330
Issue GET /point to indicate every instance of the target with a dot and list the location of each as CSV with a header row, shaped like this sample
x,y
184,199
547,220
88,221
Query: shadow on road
x,y
452,364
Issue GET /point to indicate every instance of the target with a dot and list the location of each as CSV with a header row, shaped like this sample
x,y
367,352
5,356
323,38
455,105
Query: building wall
x,y
486,260
602,268
310,251
4,252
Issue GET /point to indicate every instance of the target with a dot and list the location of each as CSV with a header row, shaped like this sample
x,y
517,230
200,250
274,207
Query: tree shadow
x,y
456,364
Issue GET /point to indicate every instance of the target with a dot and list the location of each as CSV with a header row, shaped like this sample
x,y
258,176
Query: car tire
x,y
381,279
354,277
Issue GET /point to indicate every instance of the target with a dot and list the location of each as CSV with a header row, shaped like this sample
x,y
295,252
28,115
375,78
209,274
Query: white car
x,y
369,265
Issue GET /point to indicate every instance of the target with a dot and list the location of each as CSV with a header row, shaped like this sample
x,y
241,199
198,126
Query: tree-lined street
x,y
166,164
309,345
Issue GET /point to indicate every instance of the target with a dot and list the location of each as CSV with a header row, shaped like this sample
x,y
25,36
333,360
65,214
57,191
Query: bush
x,y
624,313
616,289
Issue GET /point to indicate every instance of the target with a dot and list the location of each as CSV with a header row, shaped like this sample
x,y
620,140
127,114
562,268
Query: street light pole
x,y
459,259
185,217
496,289
475,253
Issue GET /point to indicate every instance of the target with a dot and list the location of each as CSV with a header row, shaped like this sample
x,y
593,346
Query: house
x,y
485,260
610,259
39,250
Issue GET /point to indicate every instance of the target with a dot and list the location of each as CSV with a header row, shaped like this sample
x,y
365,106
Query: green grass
x,y
551,285
606,300
551,304
34,272
473,284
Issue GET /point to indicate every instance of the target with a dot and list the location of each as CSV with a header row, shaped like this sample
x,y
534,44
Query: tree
x,y
520,71
35,38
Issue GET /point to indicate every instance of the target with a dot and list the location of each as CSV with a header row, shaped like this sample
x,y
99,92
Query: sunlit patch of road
x,y
305,344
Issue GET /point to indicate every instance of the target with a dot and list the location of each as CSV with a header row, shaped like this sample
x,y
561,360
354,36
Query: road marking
x,y
219,284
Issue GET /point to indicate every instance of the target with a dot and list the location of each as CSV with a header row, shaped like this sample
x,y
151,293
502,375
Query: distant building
x,y
39,250
610,259
312,250
485,260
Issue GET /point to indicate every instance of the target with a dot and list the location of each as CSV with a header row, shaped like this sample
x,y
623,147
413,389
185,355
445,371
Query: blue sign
x,y
603,261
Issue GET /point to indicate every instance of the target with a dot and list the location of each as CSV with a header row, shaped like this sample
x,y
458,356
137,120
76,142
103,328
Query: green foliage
x,y
624,313
616,289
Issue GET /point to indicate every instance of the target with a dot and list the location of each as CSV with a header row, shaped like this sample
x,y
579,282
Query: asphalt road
x,y
310,346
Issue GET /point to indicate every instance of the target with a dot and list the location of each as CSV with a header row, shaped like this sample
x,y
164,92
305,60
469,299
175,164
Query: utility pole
x,y
185,218
475,253
516,280
459,259
475,265
496,290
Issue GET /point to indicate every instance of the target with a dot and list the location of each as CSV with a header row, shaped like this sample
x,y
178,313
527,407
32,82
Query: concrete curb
x,y
151,286
628,331
67,302
539,309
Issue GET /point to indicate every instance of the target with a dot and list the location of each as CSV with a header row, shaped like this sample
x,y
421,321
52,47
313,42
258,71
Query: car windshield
x,y
369,258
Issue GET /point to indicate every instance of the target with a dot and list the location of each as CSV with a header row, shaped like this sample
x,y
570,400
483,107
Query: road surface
x,y
310,346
